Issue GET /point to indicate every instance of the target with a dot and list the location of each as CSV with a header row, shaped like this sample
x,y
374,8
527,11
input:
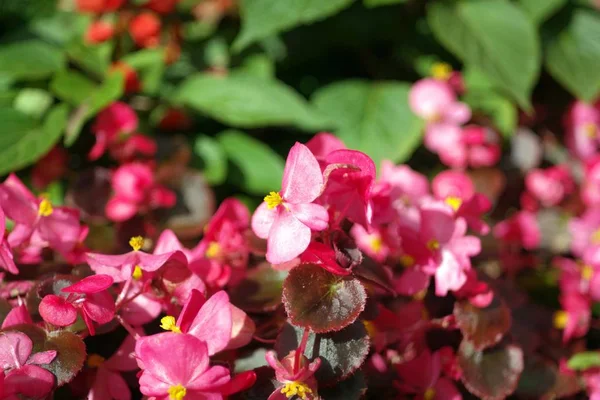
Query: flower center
x,y
407,261
595,237
136,243
587,272
273,199
168,323
137,273
376,244
590,130
296,388
429,394
95,360
177,392
441,71
213,250
370,327
45,209
560,319
454,202
433,245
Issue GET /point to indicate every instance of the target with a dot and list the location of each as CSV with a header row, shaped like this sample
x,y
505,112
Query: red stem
x,y
300,350
127,327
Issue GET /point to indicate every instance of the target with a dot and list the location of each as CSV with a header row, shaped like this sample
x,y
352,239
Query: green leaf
x,y
584,360
263,18
501,110
246,101
95,59
259,65
319,300
260,167
23,141
377,3
541,10
30,60
72,86
372,117
61,27
150,64
493,36
33,102
342,352
213,158
574,55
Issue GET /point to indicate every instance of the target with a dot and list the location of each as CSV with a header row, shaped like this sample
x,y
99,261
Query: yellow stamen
x,y
407,261
595,237
168,323
587,272
213,250
376,244
560,319
454,202
177,392
273,199
45,209
591,130
136,243
429,394
95,360
420,295
370,327
441,71
296,388
433,245
137,273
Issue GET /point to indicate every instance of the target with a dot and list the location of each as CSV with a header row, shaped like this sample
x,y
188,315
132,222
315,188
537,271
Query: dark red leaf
x,y
483,327
261,290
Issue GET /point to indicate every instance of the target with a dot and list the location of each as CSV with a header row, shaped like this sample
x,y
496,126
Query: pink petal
x,y
242,328
15,348
117,387
457,113
132,181
324,143
288,238
17,201
152,262
30,380
314,216
302,177
119,209
411,281
100,307
211,380
20,234
449,275
428,98
213,323
61,229
141,310
168,242
42,357
262,220
171,358
123,359
57,311
190,310
6,258
90,284
437,223
16,316
119,267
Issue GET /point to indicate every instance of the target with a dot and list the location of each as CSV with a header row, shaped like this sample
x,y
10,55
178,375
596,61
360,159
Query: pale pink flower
x,y
286,218
582,124
551,185
295,378
22,374
435,101
407,185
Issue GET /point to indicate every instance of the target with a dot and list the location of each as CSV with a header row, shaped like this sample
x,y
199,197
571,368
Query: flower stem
x,y
127,327
300,350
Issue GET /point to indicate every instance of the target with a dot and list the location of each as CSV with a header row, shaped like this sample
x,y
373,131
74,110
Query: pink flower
x,y
591,377
585,232
89,297
520,229
6,256
458,191
422,376
577,277
133,264
22,375
108,383
435,101
17,315
322,144
286,218
575,316
407,185
551,185
349,185
37,222
297,378
176,366
371,243
582,124
590,188
114,129
222,254
135,191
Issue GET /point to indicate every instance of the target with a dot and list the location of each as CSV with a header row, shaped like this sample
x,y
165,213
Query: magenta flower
x,y
521,229
88,297
136,191
372,243
578,277
22,374
37,222
296,378
407,185
575,316
176,367
322,144
457,190
590,187
585,232
16,316
108,383
422,376
286,218
6,256
582,124
133,264
551,185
